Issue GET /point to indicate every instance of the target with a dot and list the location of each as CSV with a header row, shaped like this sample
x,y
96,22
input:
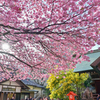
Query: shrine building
x,y
93,68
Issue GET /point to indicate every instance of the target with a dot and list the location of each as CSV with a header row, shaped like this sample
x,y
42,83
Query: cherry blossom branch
x,y
19,59
46,48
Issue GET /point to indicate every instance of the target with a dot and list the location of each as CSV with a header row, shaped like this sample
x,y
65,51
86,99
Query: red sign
x,y
71,95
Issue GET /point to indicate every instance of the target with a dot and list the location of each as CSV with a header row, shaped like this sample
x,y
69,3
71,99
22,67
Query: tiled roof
x,y
32,83
85,65
27,82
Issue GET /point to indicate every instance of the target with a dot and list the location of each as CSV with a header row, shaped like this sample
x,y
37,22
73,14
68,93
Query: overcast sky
x,y
95,47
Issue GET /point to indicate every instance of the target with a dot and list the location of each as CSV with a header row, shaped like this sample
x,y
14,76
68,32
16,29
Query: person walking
x,y
30,98
98,97
12,98
40,98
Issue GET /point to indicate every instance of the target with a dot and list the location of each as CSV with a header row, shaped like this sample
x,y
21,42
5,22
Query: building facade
x,y
93,68
20,90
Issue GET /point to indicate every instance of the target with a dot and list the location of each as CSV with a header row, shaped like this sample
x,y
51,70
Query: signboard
x,y
18,89
0,87
8,88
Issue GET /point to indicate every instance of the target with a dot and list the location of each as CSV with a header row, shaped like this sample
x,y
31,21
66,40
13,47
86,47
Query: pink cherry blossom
x,y
45,33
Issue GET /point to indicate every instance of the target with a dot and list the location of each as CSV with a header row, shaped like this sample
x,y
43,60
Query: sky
x,y
96,47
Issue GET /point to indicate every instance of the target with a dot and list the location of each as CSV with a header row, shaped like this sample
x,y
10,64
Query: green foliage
x,y
61,84
47,92
87,82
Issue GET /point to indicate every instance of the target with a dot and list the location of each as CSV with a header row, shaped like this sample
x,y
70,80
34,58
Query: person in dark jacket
x,y
40,98
30,98
98,97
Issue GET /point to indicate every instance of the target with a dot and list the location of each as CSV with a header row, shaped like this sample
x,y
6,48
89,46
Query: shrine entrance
x,y
97,86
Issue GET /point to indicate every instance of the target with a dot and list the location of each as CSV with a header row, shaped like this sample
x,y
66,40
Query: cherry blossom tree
x,y
45,33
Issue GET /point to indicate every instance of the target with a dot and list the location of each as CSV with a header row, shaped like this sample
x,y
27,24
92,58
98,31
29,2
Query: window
x,y
6,88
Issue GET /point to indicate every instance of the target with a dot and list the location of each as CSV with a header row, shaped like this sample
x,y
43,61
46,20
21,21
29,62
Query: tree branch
x,y
19,59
